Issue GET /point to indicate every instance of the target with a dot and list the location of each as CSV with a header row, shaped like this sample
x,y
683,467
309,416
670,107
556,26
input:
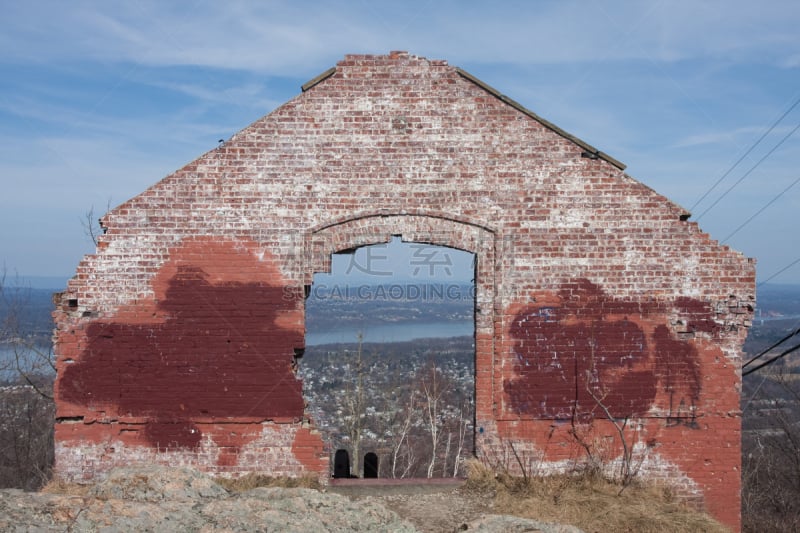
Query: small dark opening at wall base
x,y
341,464
370,465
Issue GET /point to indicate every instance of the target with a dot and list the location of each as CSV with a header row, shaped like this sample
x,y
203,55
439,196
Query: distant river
x,y
391,332
372,333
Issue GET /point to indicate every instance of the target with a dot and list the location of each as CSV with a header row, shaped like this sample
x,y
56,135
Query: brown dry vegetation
x,y
589,502
254,481
57,486
583,500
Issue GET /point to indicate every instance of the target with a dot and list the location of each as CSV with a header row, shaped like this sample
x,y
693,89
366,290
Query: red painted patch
x,y
592,351
698,316
172,434
308,449
678,369
217,351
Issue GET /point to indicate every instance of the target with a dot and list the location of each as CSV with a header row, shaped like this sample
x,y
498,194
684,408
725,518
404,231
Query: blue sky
x,y
99,100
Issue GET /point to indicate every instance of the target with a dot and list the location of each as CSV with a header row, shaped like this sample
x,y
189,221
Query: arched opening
x,y
389,367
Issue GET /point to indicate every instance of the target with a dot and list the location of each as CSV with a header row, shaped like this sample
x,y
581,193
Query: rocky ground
x,y
157,499
451,510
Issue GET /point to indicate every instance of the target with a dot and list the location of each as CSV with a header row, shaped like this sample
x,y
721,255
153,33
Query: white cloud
x,y
127,92
250,95
791,61
77,172
739,136
284,37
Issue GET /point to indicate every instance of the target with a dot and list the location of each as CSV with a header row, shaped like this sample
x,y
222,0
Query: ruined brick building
x,y
596,298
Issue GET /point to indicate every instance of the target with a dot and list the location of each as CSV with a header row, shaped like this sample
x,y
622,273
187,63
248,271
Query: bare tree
x,y
26,437
25,358
355,407
446,454
26,405
383,404
433,386
402,436
771,456
92,224
462,430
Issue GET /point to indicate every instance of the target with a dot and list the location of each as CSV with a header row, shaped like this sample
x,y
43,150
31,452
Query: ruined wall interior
x,y
596,298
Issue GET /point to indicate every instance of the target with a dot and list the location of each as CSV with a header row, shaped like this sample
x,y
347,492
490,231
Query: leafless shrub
x,y
601,454
92,224
252,481
771,457
590,502
510,459
59,486
26,435
26,400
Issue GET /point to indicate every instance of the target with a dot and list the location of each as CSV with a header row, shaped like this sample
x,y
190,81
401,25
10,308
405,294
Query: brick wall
x,y
595,297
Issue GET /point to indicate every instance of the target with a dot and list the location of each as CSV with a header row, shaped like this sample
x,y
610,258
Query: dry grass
x,y
242,484
252,481
589,502
57,486
583,499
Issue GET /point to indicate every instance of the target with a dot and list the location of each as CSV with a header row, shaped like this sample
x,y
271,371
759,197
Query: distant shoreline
x,y
365,345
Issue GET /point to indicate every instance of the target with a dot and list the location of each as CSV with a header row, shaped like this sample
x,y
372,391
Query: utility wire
x,y
746,222
774,124
755,392
769,362
786,338
781,271
723,195
796,331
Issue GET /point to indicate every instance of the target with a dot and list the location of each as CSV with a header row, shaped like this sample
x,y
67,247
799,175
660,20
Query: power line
x,y
746,222
767,205
769,362
774,124
778,343
752,396
786,338
781,271
749,171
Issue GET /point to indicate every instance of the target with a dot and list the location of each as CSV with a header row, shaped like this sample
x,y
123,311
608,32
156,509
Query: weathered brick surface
x,y
175,341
